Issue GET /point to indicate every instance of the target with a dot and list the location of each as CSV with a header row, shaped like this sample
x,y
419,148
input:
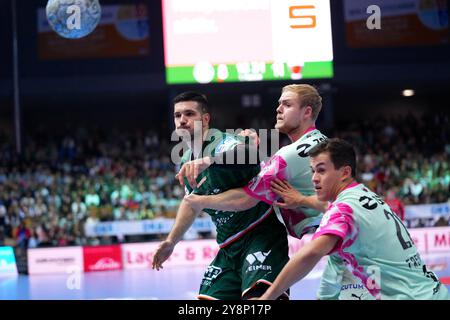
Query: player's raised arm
x,y
241,199
300,265
238,158
184,220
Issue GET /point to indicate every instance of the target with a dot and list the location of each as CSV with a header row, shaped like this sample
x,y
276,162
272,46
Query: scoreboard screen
x,y
213,41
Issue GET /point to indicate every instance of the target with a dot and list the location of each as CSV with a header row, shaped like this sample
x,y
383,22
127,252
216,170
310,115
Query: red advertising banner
x,y
102,258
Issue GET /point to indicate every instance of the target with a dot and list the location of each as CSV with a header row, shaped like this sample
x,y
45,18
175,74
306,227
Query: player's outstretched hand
x,y
291,197
251,133
163,252
190,170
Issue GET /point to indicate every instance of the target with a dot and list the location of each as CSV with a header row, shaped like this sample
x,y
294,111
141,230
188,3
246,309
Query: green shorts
x,y
253,260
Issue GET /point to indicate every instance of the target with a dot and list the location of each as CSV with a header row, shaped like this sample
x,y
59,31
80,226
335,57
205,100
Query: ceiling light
x,y
408,93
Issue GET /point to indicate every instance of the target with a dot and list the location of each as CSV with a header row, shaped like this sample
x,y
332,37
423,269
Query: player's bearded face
x,y
188,118
327,180
289,112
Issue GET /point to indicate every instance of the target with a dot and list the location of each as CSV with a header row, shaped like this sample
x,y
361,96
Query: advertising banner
x,y
154,226
55,260
123,31
102,258
432,243
403,23
7,261
427,210
187,253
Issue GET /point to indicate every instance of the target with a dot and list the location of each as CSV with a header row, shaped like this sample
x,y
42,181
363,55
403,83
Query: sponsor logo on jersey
x,y
226,144
351,286
258,258
222,220
212,273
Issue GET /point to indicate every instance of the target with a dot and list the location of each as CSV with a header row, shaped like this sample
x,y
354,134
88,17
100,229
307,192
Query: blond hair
x,y
308,96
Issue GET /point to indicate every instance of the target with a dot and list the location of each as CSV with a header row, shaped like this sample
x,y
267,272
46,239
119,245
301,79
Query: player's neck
x,y
196,144
343,186
297,133
205,134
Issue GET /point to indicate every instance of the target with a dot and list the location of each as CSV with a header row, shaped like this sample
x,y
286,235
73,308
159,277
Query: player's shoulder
x,y
287,154
313,138
228,141
218,141
353,190
299,149
231,137
357,195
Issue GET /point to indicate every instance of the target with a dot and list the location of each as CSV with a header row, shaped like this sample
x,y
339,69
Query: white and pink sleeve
x,y
338,220
259,186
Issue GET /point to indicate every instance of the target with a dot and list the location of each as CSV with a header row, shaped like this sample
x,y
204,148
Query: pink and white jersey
x,y
290,163
376,247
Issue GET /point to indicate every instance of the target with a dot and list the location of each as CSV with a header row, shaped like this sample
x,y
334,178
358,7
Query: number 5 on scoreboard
x,y
295,14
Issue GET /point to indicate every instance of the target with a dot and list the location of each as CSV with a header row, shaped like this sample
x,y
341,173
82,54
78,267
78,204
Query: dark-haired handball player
x,y
253,243
362,232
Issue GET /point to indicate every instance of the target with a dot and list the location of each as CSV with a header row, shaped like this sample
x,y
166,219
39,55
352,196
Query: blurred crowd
x,y
407,155
61,182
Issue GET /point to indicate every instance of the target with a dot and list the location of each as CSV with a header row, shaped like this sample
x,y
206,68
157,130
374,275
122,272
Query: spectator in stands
x,y
22,235
2,215
33,242
79,208
442,222
395,203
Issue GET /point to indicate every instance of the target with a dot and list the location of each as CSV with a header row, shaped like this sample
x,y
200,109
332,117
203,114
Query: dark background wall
x,y
132,91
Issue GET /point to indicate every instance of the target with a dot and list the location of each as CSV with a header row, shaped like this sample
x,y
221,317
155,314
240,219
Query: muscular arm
x,y
241,157
185,218
231,200
183,221
300,265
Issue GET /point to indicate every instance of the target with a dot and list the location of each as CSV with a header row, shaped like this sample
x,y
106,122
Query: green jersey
x,y
230,225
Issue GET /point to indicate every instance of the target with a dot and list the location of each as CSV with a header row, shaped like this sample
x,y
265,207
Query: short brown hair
x,y
308,96
341,153
201,100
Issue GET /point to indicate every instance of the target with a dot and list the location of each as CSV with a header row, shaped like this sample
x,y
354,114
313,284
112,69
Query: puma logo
x,y
355,296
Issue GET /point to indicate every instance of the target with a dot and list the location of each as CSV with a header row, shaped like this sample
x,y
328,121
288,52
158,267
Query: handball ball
x,y
73,19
